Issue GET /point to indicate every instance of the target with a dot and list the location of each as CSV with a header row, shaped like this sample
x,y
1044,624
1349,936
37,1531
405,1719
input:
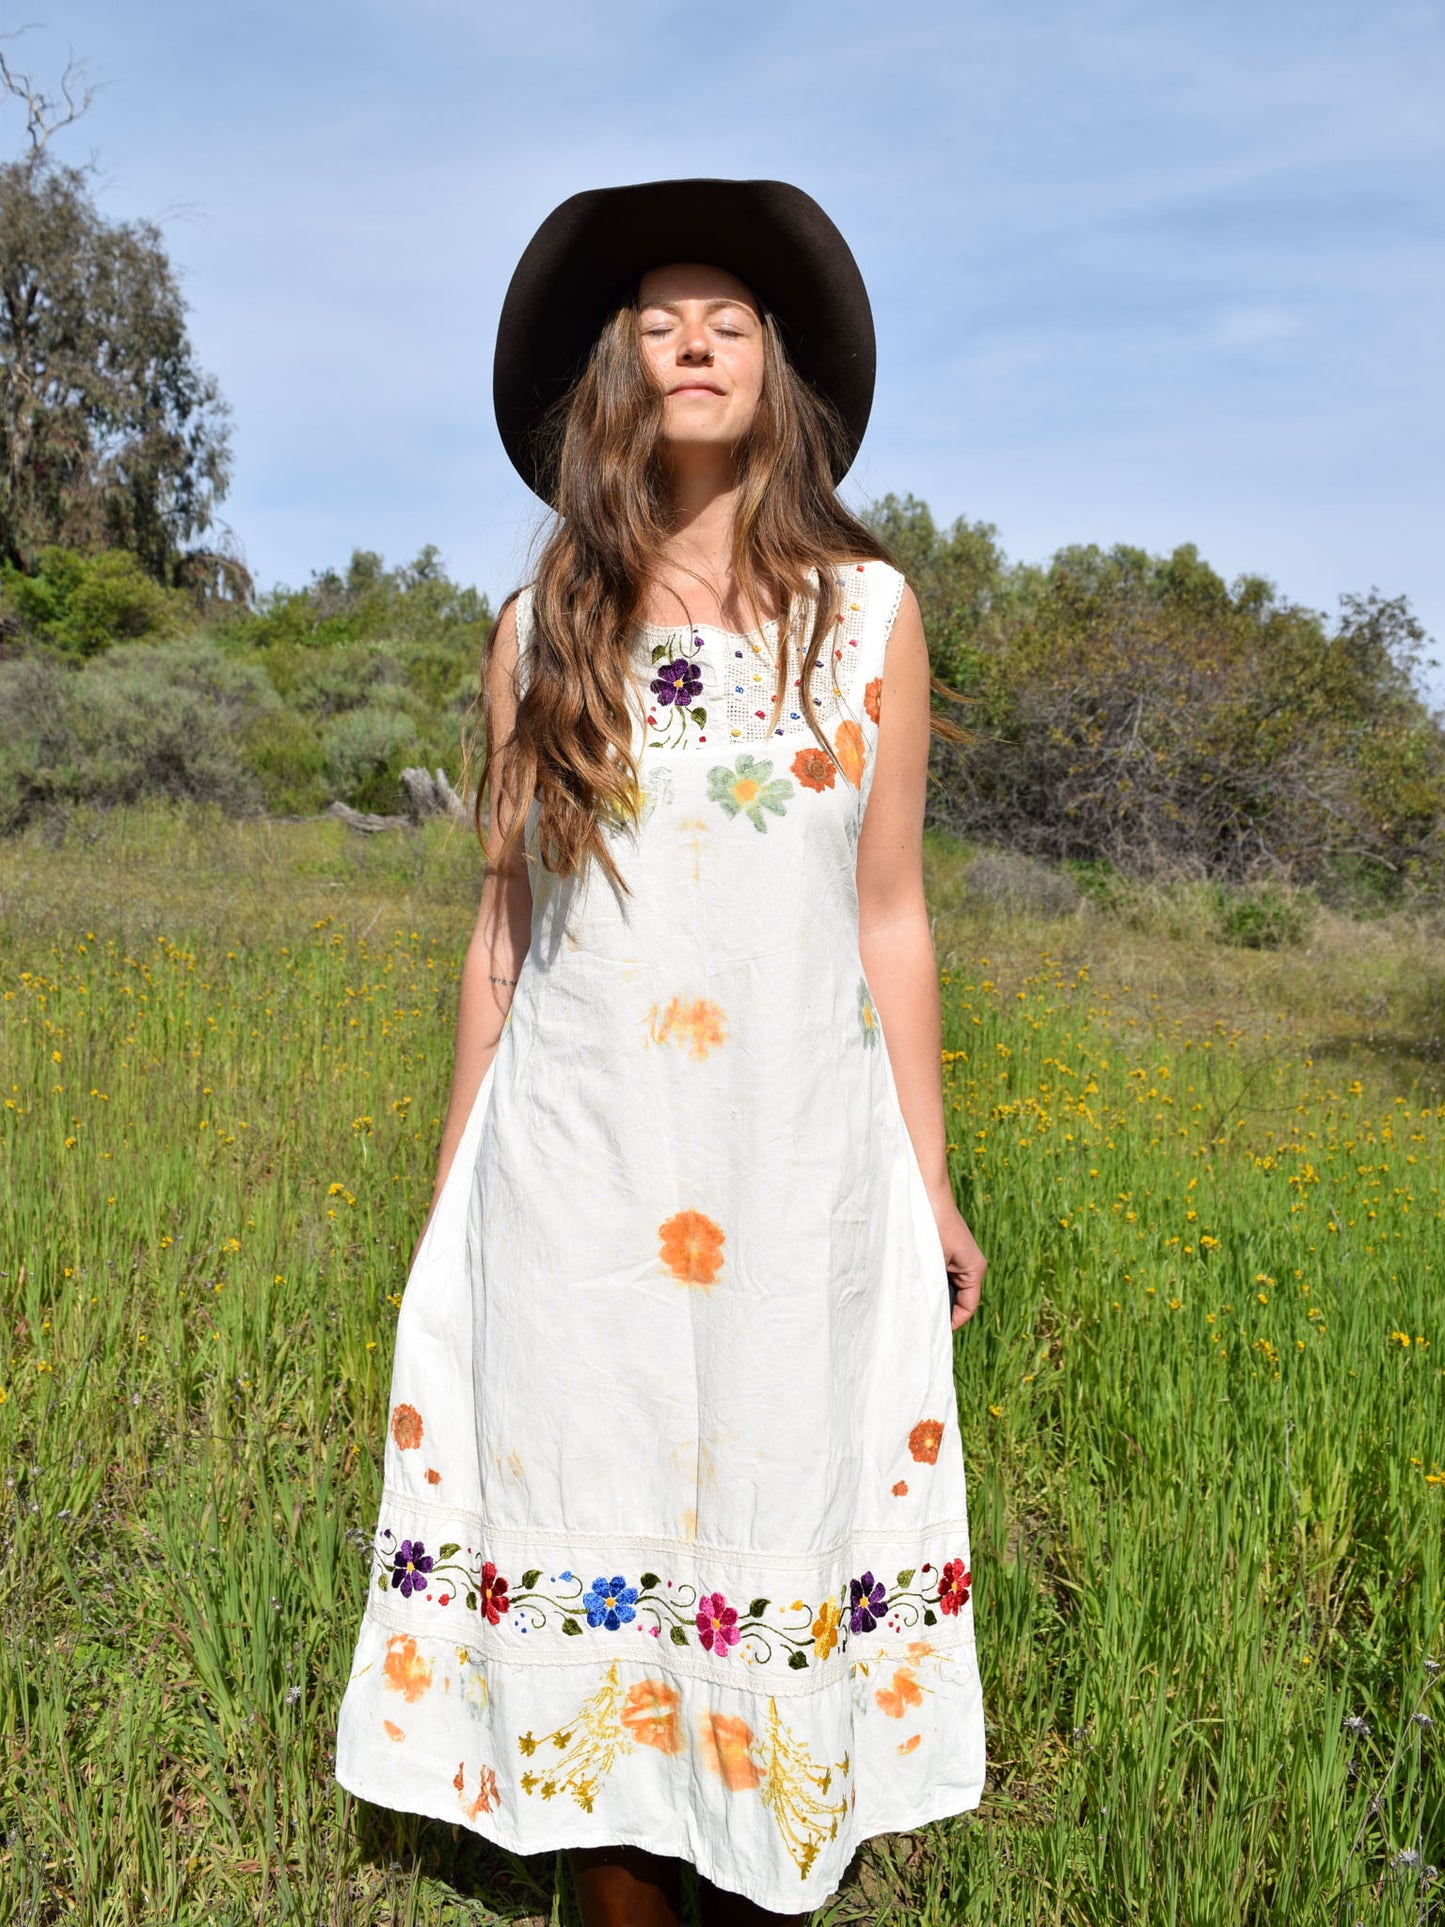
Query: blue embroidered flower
x,y
410,1567
677,682
867,1602
610,1602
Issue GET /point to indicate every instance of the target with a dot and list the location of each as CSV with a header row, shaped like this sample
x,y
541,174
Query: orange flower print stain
x,y
691,1247
433,1477
814,769
852,752
900,1491
405,1670
911,1744
896,1699
486,1790
873,698
925,1439
406,1427
392,1730
724,1743
650,1715
698,1027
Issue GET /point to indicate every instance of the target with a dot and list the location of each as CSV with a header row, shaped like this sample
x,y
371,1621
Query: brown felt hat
x,y
590,252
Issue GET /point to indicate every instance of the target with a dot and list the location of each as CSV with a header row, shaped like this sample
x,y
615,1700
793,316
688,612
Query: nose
x,y
694,345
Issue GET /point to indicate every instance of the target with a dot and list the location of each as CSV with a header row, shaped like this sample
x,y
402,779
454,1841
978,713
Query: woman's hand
x,y
966,1263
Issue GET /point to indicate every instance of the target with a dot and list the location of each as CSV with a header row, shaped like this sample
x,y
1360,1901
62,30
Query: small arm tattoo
x,y
503,980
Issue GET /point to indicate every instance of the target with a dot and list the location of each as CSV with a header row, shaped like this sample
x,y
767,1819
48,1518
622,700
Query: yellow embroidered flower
x,y
825,1629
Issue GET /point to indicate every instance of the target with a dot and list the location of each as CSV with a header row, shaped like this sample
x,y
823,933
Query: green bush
x,y
366,750
1263,917
146,720
84,604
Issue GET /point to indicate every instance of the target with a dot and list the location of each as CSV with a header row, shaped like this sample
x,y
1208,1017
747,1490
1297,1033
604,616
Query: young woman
x,y
672,1562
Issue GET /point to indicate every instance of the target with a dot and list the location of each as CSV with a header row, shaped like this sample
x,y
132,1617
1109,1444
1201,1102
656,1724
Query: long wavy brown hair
x,y
571,745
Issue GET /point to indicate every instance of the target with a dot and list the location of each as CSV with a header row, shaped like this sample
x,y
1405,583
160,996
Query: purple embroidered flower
x,y
717,1624
410,1567
867,1603
677,682
610,1602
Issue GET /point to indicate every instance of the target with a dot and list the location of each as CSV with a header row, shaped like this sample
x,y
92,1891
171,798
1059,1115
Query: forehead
x,y
681,281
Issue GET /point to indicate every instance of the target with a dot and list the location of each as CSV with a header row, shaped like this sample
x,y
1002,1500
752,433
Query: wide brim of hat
x,y
589,253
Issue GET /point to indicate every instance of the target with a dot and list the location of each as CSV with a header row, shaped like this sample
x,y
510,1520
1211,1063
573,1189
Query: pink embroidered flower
x,y
717,1624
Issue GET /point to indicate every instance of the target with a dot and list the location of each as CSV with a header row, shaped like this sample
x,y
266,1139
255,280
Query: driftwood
x,y
426,793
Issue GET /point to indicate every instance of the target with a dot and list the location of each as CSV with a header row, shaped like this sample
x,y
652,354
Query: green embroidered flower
x,y
867,1014
749,788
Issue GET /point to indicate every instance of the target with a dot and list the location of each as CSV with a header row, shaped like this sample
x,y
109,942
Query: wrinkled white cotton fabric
x,y
673,1549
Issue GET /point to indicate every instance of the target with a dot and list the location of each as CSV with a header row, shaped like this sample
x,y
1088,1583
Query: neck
x,y
705,493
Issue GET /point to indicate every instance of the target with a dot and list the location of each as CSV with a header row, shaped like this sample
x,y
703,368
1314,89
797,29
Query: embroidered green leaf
x,y
471,1602
906,1578
930,1617
797,1661
570,1626
659,650
756,1608
678,1636
530,1578
449,1550
699,716
648,1581
381,1583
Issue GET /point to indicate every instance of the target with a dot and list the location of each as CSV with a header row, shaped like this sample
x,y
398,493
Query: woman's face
x,y
702,342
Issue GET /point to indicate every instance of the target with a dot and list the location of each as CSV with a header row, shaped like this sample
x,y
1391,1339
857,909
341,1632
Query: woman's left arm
x,y
895,940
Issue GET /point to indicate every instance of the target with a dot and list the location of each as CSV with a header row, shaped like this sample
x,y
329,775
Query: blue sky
x,y
1146,273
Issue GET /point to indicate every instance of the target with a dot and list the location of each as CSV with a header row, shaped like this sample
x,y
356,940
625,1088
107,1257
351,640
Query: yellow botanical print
x,y
584,1752
795,1791
697,1027
472,1681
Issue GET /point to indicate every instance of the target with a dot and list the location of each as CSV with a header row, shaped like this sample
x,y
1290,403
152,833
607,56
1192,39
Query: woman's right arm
x,y
502,934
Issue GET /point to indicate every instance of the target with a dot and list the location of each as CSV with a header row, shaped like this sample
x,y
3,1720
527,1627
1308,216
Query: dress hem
x,y
965,1801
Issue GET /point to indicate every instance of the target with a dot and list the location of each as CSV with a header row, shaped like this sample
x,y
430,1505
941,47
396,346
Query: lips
x,y
694,388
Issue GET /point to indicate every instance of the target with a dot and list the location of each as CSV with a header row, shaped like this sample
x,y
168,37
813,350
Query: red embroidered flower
x,y
494,1594
953,1586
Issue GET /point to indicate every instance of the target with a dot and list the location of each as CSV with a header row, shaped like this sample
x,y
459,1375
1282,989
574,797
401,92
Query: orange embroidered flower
x,y
405,1670
691,1247
873,697
814,769
406,1427
925,1439
724,1742
650,1715
699,1026
852,751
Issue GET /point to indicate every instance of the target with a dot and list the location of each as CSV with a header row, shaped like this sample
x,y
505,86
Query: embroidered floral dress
x,y
673,1547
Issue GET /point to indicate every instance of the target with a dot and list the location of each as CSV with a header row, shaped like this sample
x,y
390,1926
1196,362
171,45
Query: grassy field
x,y
1203,1406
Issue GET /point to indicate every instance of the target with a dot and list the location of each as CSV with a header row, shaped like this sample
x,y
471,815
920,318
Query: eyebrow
x,y
718,301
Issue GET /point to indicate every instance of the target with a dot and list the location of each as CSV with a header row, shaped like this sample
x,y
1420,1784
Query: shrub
x,y
146,720
1019,886
84,604
365,750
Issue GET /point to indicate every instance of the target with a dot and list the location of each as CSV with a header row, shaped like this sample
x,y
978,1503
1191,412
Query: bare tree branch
x,y
46,113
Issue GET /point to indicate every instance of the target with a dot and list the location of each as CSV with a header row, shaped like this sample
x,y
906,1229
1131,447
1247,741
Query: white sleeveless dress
x,y
673,1547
